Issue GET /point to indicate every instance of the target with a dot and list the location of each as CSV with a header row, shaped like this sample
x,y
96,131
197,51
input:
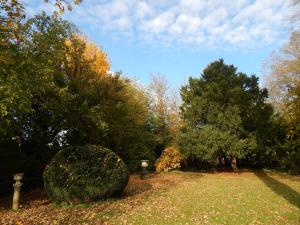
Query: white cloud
x,y
143,10
215,23
159,24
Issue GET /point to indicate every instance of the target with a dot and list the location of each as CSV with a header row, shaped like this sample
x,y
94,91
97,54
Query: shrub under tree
x,y
170,159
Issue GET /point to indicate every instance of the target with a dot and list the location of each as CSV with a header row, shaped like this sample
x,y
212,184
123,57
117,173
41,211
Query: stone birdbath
x,y
144,165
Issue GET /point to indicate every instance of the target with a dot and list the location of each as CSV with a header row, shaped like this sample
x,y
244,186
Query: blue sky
x,y
178,38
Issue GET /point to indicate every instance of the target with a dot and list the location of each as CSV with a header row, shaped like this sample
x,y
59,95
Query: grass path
x,y
181,198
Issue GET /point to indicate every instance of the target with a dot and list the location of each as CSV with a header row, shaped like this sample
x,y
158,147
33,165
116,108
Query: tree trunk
x,y
233,163
221,162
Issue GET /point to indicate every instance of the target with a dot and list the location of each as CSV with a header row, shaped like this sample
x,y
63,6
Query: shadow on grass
x,y
137,189
280,189
288,177
160,182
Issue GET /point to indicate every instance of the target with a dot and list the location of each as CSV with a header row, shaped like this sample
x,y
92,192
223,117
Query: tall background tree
x,y
283,81
225,115
165,113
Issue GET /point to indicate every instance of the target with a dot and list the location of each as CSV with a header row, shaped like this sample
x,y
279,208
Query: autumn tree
x,y
165,111
130,125
83,54
283,73
283,81
55,92
12,18
62,5
175,121
158,90
113,111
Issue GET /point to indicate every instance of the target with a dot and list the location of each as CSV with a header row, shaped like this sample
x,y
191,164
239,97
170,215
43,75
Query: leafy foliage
x,y
63,4
224,113
283,68
130,132
221,137
56,92
85,173
166,120
11,18
284,85
170,159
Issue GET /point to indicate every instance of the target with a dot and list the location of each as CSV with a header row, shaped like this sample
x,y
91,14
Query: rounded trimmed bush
x,y
85,173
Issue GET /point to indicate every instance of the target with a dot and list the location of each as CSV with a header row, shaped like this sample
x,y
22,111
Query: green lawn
x,y
181,198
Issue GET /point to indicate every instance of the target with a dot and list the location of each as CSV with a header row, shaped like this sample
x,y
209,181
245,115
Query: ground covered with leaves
x,y
176,198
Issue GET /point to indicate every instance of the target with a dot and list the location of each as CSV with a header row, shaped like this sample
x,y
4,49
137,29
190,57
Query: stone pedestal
x,y
17,190
144,172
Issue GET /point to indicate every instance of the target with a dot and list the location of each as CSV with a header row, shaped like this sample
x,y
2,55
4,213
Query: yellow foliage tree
x,y
84,55
170,159
284,76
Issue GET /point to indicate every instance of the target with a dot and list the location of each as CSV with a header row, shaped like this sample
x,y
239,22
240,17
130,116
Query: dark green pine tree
x,y
224,114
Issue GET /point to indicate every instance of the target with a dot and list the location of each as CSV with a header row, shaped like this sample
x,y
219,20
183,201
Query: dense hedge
x,y
85,173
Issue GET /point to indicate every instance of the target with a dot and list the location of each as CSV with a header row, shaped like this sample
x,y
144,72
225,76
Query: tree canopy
x,y
283,80
224,112
56,92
